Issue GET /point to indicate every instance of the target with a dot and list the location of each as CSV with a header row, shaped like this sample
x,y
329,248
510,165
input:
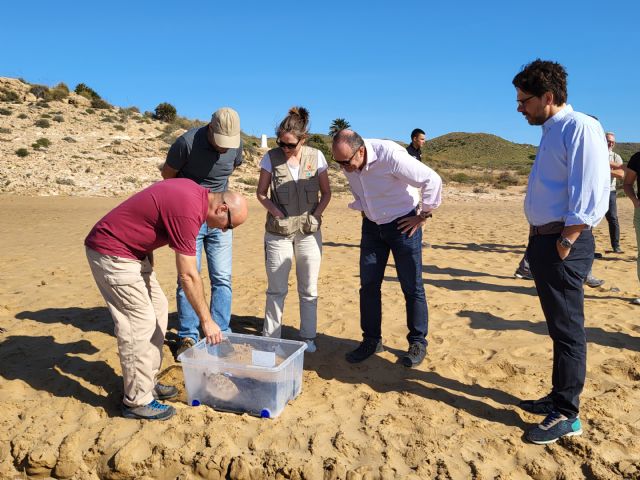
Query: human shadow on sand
x,y
49,366
482,247
336,244
459,272
329,363
95,319
488,321
473,285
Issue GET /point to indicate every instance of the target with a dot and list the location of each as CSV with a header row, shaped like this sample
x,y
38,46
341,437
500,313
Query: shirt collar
x,y
556,118
371,154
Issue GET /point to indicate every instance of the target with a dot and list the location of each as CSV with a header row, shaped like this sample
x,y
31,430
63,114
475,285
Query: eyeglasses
x,y
229,224
344,163
522,102
290,146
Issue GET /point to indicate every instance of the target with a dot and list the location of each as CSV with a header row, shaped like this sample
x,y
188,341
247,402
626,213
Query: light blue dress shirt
x,y
569,180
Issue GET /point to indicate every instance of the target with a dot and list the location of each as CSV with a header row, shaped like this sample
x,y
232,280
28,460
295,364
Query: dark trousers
x,y
376,243
559,285
612,220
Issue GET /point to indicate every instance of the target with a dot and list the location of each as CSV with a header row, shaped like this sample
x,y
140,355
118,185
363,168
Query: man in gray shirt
x,y
208,155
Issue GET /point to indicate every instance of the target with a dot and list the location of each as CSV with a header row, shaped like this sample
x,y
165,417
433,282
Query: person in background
x,y
388,185
294,189
208,155
120,252
567,195
418,138
617,172
631,176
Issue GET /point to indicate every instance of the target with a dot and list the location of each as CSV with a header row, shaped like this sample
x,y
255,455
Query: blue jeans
x,y
376,243
218,249
559,284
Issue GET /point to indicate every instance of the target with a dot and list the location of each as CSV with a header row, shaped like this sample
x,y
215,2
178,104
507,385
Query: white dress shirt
x,y
569,180
392,183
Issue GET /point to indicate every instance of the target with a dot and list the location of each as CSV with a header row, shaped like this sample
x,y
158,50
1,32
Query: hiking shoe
x,y
635,301
542,406
553,427
593,282
415,355
597,255
366,348
617,250
311,345
153,411
523,273
185,344
164,392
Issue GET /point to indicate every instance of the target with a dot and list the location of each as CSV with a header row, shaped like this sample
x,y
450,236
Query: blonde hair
x,y
296,123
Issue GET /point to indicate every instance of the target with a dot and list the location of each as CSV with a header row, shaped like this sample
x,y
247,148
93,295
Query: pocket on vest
x,y
311,224
312,193
278,226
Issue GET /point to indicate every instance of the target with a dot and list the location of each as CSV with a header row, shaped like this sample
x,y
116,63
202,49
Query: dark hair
x,y
349,137
541,76
296,123
416,132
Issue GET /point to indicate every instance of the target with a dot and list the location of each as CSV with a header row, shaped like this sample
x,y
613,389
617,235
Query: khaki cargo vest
x,y
297,200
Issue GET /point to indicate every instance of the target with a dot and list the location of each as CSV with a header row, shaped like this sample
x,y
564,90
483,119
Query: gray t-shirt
x,y
195,158
615,158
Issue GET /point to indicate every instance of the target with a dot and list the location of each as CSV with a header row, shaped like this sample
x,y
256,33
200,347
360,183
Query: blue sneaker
x,y
152,411
553,427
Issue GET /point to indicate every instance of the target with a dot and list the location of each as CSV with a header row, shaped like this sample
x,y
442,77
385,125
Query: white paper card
x,y
263,359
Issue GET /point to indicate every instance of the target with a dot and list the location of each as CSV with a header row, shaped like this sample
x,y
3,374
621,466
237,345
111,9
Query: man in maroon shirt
x,y
120,253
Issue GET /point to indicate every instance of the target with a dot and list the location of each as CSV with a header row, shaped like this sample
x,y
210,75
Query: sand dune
x,y
453,417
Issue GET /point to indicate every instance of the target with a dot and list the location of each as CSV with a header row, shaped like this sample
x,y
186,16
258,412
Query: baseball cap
x,y
225,123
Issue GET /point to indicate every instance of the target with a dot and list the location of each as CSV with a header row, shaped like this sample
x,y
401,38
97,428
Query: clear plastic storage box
x,y
244,373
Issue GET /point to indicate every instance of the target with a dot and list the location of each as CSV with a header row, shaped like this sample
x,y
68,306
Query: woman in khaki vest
x,y
298,184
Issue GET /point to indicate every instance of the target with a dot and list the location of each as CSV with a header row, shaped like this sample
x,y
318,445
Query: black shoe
x,y
415,355
542,406
593,282
597,255
366,348
617,250
523,273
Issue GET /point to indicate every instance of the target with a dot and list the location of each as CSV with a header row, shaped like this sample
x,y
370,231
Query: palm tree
x,y
337,125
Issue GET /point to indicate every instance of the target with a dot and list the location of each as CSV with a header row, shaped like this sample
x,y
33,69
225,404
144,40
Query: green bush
x,y
120,128
45,115
100,103
7,95
70,140
90,110
5,111
41,143
86,91
5,130
42,123
58,118
165,112
23,115
65,181
461,177
22,152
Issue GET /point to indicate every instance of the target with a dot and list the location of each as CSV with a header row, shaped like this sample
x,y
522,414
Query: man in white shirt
x,y
615,164
387,185
567,195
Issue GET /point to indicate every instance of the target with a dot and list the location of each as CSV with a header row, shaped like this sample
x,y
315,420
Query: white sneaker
x,y
311,345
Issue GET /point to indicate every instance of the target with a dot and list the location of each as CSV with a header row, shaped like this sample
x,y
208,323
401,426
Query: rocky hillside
x,y
66,146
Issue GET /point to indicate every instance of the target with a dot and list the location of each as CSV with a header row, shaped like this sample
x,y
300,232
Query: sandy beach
x,y
454,417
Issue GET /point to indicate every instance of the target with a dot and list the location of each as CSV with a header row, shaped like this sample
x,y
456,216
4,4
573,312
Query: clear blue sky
x,y
385,66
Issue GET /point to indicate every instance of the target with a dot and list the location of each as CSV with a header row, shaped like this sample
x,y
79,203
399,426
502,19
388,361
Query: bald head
x,y
349,137
227,210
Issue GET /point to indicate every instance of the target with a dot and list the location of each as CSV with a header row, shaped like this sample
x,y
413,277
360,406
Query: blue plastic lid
x,y
195,403
265,413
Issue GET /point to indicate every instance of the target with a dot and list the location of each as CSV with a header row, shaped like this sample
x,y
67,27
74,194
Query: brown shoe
x,y
185,344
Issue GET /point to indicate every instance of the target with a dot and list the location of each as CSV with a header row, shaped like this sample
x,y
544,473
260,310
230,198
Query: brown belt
x,y
546,229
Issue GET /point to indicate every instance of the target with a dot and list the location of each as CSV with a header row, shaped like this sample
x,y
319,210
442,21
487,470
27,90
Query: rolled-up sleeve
x,y
418,175
588,174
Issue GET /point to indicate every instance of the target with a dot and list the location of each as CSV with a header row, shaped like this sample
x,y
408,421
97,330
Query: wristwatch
x,y
565,242
425,215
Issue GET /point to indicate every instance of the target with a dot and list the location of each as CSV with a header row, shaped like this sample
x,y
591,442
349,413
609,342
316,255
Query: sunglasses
x,y
344,163
290,146
229,224
522,102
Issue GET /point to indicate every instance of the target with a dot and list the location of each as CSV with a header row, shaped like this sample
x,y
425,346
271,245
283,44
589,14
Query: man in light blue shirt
x,y
567,195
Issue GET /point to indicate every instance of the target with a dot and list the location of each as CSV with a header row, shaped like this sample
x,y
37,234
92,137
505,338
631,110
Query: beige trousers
x,y
279,254
139,310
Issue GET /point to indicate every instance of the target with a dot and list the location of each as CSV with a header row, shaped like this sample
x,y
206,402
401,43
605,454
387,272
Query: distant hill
x,y
479,150
625,150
